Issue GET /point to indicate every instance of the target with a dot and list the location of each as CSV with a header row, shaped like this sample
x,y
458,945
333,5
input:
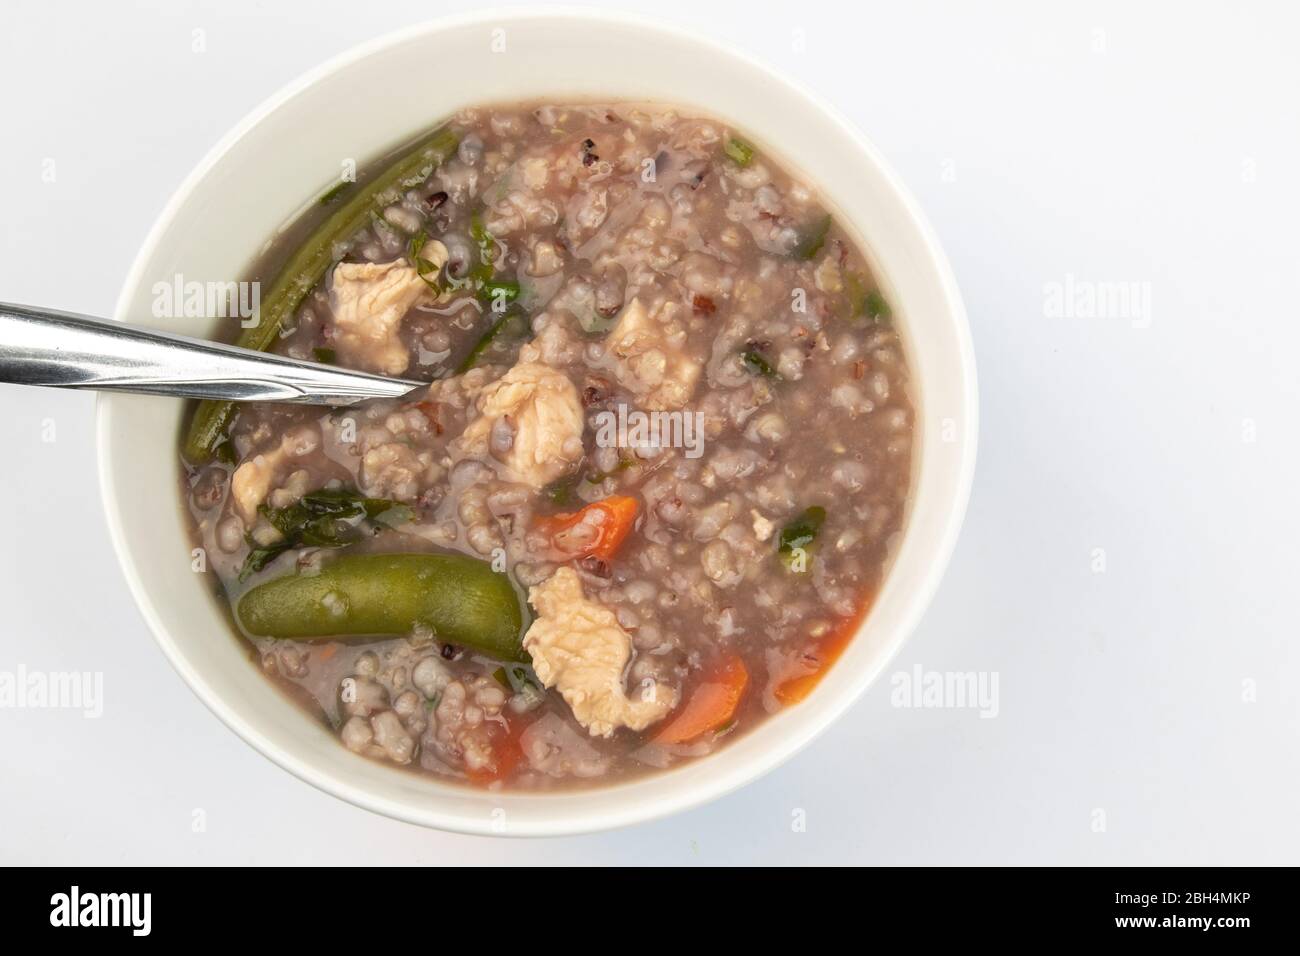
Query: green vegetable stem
x,y
208,426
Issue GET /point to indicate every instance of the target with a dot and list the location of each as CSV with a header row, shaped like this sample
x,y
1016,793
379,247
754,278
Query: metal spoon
x,y
64,350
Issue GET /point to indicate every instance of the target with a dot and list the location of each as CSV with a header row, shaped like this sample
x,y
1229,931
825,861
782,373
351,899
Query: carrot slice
x,y
430,411
506,754
617,516
819,660
711,705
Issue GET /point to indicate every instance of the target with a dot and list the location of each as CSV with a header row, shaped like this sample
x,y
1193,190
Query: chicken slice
x,y
579,648
654,361
531,421
253,480
273,473
369,301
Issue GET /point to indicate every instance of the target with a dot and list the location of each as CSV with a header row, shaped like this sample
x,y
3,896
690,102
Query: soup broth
x,y
653,482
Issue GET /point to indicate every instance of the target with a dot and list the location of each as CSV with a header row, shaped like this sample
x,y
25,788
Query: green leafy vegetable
x,y
258,558
875,307
757,363
859,301
328,518
561,490
812,241
521,677
796,538
855,291
324,355
416,244
511,323
425,268
487,251
499,293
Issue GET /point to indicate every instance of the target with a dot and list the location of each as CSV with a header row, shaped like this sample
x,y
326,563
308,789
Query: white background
x,y
1152,143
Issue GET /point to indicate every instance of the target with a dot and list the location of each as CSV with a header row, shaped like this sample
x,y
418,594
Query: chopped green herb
x,y
561,490
511,322
813,239
225,452
478,232
487,251
797,537
499,293
875,307
518,678
596,477
427,269
740,152
324,355
859,301
756,363
854,293
416,244
259,558
334,192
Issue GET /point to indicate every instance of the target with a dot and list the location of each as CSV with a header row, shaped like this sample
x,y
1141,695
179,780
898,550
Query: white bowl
x,y
376,97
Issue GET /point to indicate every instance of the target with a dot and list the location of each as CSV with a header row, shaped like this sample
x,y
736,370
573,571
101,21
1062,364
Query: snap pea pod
x,y
301,273
461,599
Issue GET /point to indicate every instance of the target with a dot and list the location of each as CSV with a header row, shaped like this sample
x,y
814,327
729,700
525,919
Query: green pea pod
x,y
461,599
301,273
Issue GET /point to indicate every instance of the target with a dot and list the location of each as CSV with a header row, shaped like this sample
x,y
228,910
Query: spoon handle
x,y
64,350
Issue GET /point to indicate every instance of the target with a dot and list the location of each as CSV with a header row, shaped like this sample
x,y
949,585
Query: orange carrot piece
x,y
619,516
794,689
711,705
430,411
506,754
